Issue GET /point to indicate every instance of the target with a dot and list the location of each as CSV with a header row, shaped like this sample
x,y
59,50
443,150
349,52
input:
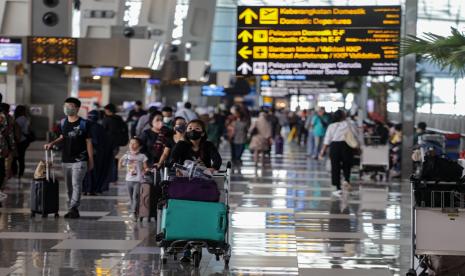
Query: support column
x,y
74,80
363,99
106,89
185,93
408,106
11,84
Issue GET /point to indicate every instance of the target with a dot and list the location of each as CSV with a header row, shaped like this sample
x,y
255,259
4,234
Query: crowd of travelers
x,y
160,136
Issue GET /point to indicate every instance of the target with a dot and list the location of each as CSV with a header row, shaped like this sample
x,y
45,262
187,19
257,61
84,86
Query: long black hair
x,y
204,130
204,137
20,110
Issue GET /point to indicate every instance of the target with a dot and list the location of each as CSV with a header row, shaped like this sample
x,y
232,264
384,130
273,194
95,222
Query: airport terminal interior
x,y
232,137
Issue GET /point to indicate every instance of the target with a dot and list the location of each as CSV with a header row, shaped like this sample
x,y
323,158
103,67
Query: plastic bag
x,y
192,169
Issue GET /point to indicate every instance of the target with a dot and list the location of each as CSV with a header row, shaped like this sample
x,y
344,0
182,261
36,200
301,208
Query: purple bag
x,y
195,189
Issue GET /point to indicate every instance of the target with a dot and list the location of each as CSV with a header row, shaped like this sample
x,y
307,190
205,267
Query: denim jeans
x,y
318,140
237,151
310,143
74,176
134,194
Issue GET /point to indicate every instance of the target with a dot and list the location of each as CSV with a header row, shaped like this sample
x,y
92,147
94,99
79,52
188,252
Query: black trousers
x,y
2,172
19,161
341,156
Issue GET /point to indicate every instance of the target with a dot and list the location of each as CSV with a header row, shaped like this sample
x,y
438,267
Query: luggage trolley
x,y
177,247
374,157
437,220
432,142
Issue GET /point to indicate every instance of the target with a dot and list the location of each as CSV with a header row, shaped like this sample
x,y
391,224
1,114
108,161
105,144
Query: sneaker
x,y
73,214
337,193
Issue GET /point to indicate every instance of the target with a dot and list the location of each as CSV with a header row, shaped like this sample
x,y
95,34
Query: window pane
x,y
443,95
460,97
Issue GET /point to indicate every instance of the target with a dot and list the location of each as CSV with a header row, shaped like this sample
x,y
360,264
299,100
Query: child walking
x,y
135,163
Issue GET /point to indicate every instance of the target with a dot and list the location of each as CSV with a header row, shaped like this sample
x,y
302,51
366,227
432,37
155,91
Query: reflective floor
x,y
284,221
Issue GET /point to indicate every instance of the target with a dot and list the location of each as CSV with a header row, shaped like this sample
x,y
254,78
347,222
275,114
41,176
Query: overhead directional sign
x,y
318,41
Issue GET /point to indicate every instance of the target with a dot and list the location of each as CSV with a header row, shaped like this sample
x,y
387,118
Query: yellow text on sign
x,y
260,36
260,52
269,16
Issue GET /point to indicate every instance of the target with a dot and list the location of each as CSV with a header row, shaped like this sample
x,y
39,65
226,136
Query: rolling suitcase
x,y
150,193
45,191
194,220
279,145
195,189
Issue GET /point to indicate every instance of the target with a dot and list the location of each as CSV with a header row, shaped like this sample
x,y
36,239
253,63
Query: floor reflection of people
x,y
338,247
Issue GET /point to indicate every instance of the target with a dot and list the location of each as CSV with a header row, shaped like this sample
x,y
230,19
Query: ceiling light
x,y
183,79
4,64
127,67
96,77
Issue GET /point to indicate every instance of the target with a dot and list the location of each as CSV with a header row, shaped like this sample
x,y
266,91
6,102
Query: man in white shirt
x,y
186,112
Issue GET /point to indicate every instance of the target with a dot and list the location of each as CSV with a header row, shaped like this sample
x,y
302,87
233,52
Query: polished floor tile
x,y
97,245
34,236
283,221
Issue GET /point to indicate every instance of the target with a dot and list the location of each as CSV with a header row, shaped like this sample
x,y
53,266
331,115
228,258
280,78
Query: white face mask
x,y
166,120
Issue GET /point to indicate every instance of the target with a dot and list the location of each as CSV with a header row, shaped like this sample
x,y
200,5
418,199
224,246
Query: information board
x,y
318,41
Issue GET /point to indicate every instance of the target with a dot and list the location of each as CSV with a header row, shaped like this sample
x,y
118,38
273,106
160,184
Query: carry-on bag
x,y
195,189
150,193
194,220
45,191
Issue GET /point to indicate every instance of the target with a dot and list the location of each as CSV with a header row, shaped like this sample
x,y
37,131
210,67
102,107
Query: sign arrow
x,y
244,68
245,36
244,52
249,15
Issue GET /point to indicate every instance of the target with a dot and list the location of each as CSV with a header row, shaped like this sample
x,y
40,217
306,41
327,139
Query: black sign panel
x,y
318,41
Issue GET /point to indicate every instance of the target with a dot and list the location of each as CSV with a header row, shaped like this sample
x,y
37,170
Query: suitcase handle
x,y
49,165
222,223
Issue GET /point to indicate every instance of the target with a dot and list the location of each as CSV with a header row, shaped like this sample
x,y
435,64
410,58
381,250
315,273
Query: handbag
x,y
350,139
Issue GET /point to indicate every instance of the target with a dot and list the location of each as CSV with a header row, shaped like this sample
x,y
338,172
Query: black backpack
x,y
122,138
441,169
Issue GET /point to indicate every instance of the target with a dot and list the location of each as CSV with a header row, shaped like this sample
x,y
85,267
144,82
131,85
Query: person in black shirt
x,y
77,153
113,124
134,116
157,141
195,147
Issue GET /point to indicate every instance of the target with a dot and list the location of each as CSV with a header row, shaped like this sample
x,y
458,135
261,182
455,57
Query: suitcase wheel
x,y
33,214
164,261
226,262
141,219
57,215
217,257
44,215
148,219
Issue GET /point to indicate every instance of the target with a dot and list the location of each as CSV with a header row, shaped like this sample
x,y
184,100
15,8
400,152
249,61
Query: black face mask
x,y
180,128
194,135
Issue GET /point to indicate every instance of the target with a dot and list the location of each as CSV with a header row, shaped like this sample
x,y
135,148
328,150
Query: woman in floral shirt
x,y
7,145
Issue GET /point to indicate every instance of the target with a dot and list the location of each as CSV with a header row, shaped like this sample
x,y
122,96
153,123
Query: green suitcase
x,y
194,220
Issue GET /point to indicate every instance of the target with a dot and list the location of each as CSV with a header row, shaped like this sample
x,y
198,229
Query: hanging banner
x,y
318,41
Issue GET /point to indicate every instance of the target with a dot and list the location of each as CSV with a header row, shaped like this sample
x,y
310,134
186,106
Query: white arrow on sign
x,y
244,68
